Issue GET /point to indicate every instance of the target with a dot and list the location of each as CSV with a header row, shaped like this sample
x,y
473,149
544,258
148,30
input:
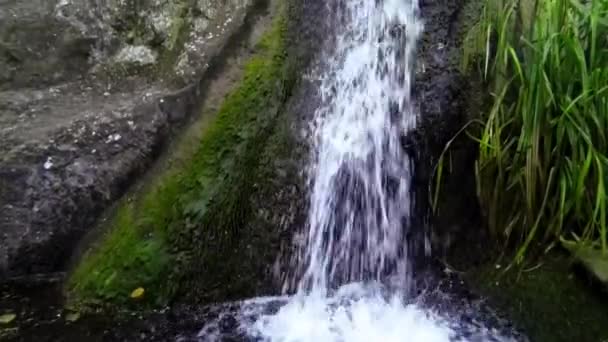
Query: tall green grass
x,y
542,170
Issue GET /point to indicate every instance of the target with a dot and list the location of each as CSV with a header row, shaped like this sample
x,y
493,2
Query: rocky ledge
x,y
90,93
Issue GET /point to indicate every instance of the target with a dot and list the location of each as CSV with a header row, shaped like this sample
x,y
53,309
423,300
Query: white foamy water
x,y
359,198
356,314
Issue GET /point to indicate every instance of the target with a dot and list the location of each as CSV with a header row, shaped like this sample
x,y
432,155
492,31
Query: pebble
x,y
113,138
48,164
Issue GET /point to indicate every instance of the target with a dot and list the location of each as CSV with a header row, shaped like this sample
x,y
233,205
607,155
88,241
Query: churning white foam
x,y
355,314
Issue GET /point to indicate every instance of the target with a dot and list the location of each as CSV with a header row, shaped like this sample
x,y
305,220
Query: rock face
x,y
254,259
445,100
90,91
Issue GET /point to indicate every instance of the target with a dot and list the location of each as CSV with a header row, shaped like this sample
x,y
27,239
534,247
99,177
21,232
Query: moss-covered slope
x,y
549,302
187,228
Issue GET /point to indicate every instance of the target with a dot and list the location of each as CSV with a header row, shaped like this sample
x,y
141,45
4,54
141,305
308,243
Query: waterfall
x,y
354,275
360,190
360,193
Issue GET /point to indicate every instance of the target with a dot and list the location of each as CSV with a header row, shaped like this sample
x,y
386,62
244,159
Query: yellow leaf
x,y
72,316
137,293
7,318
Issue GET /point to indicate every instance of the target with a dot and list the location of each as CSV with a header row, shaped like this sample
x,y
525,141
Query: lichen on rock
x,y
139,55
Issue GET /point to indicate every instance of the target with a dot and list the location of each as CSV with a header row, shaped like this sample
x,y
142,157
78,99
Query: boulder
x,y
90,92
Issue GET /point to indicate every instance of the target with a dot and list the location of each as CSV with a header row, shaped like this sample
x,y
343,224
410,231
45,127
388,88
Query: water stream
x,y
360,198
354,278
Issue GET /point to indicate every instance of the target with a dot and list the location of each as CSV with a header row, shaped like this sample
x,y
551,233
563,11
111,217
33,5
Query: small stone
x,y
106,94
113,138
48,164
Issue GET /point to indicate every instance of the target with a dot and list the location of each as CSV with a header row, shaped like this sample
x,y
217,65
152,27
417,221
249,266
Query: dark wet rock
x,y
448,100
58,179
38,47
445,98
279,195
50,41
473,317
89,95
448,293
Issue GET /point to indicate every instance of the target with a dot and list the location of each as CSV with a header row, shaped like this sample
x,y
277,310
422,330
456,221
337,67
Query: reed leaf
x,y
541,173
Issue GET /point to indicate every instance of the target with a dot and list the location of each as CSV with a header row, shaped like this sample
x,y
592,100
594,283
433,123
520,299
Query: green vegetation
x,y
130,256
543,148
157,242
538,102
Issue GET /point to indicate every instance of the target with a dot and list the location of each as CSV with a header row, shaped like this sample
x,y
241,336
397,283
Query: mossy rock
x,y
549,302
591,258
184,233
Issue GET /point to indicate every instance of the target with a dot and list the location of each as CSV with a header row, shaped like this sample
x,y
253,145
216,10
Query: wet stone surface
x,y
90,92
40,317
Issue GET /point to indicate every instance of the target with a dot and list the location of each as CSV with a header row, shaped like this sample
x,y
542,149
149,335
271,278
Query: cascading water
x,y
360,194
353,280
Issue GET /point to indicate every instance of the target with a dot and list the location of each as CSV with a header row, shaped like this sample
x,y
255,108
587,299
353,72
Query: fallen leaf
x,y
72,316
137,293
7,318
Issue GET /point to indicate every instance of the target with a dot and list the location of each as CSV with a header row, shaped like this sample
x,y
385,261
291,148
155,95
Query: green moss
x,y
152,242
550,303
590,257
218,207
126,260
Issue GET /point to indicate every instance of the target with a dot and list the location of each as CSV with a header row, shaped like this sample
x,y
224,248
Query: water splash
x,y
355,313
